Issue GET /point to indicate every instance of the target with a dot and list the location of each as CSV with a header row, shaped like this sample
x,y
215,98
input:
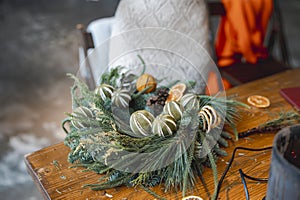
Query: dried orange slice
x,y
258,101
176,92
192,198
175,95
179,86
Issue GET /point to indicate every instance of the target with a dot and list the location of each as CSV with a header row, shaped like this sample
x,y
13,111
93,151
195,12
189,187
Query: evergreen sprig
x,y
104,143
83,96
111,77
283,120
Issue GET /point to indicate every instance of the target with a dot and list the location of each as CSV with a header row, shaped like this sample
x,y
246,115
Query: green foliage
x,y
111,77
139,103
190,84
104,144
227,109
284,119
83,96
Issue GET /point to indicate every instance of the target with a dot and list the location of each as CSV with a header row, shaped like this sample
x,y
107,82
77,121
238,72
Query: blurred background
x,y
38,45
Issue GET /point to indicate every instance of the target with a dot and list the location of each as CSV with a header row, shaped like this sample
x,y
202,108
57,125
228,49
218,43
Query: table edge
x,y
35,178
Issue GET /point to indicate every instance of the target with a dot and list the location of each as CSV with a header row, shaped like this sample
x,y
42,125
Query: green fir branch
x,y
152,192
85,95
213,165
188,171
111,77
143,63
284,119
227,109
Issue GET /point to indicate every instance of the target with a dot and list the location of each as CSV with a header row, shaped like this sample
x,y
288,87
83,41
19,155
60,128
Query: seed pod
x,y
81,111
104,91
190,101
174,109
144,81
141,123
164,125
121,98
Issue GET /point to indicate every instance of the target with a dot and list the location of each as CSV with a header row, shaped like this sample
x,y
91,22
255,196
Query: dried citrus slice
x,y
179,86
258,101
146,81
192,198
176,92
175,95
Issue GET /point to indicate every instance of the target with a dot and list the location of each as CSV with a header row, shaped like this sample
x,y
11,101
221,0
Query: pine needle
x,y
188,168
213,165
152,192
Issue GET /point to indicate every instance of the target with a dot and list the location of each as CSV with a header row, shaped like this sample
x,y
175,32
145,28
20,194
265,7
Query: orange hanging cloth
x,y
242,31
212,85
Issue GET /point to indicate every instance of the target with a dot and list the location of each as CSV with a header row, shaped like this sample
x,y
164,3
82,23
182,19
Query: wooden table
x,y
50,170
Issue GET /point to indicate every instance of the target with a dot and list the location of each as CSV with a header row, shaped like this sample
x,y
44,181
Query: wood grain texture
x,y
56,180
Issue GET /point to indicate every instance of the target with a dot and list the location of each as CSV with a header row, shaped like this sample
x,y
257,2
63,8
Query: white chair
x,y
139,26
96,33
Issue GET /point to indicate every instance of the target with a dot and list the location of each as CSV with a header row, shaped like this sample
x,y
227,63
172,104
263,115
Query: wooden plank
x,y
56,180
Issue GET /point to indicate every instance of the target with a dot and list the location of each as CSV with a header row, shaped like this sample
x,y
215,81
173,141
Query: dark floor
x,y
38,47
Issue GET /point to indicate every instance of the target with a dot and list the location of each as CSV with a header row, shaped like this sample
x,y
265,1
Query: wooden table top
x,y
56,180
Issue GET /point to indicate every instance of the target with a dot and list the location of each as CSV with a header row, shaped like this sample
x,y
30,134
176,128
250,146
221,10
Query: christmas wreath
x,y
137,132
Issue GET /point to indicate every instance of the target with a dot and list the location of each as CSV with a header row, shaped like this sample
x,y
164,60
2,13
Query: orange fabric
x,y
212,86
241,32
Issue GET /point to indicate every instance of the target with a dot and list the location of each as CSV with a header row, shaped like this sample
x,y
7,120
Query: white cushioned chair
x,y
170,35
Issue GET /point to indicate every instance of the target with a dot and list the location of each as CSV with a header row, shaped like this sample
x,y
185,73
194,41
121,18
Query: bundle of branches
x,y
106,135
283,120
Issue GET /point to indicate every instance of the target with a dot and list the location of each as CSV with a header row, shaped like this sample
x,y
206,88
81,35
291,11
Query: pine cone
x,y
156,103
159,98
